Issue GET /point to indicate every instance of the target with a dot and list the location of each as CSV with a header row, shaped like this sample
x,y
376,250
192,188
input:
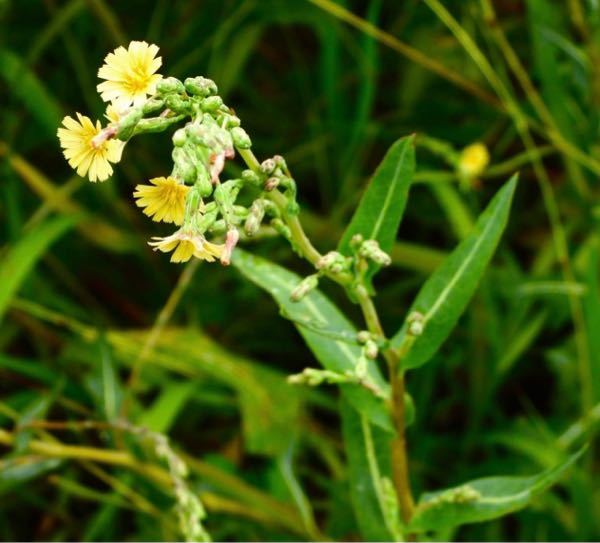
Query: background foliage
x,y
95,325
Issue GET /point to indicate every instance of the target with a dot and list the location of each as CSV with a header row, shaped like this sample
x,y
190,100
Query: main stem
x,y
397,408
392,357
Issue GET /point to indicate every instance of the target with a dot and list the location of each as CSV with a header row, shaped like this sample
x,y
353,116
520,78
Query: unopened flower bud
x,y
200,86
250,177
169,85
212,103
240,138
231,240
371,349
185,168
271,184
178,104
304,287
152,105
356,240
473,160
268,166
179,137
128,123
333,262
255,217
370,250
363,336
231,121
416,323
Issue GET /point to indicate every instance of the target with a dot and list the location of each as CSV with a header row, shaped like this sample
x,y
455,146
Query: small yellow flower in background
x,y
186,245
130,74
165,201
76,140
473,160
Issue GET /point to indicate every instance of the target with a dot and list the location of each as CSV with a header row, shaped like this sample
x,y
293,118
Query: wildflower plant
x,y
368,365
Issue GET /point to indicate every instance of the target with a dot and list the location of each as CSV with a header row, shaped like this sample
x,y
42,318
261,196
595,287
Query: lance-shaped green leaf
x,y
483,499
367,450
382,205
444,296
21,257
333,354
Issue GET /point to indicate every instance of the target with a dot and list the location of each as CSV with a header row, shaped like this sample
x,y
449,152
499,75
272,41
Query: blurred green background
x,y
94,324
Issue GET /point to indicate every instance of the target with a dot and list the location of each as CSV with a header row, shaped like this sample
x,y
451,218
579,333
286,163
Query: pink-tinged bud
x,y
231,240
107,134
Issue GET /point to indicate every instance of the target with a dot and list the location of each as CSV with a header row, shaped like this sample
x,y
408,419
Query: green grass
x,y
330,87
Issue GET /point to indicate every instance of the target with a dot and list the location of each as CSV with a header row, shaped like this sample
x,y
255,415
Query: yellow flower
x,y
186,245
473,160
130,74
165,201
85,157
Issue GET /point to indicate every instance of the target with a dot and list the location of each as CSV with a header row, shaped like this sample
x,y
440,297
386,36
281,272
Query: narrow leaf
x,y
335,355
364,447
444,296
382,205
483,499
21,257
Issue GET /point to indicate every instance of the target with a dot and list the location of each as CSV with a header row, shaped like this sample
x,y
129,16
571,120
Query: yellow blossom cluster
x,y
130,76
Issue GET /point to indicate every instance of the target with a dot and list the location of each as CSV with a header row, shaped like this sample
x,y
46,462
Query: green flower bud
x,y
200,86
268,166
304,287
169,85
370,250
416,323
356,241
211,104
240,138
152,105
255,217
184,167
179,137
333,262
363,336
178,104
250,177
128,123
271,184
231,121
371,349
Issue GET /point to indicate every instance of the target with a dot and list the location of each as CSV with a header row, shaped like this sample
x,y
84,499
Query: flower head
x,y
130,74
164,200
76,139
473,160
186,244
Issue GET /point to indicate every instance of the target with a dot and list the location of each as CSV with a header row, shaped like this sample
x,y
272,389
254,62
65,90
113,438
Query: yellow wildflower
x,y
130,74
165,201
76,139
473,160
187,244
113,115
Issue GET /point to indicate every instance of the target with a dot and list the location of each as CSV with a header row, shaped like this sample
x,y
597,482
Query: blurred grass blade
x,y
483,499
27,88
446,293
333,354
160,416
22,256
380,210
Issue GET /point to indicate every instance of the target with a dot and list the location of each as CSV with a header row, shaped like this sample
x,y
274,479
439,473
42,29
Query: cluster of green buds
x,y
201,148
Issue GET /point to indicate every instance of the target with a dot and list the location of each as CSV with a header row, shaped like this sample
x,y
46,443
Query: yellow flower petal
x,y
76,141
164,200
129,74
